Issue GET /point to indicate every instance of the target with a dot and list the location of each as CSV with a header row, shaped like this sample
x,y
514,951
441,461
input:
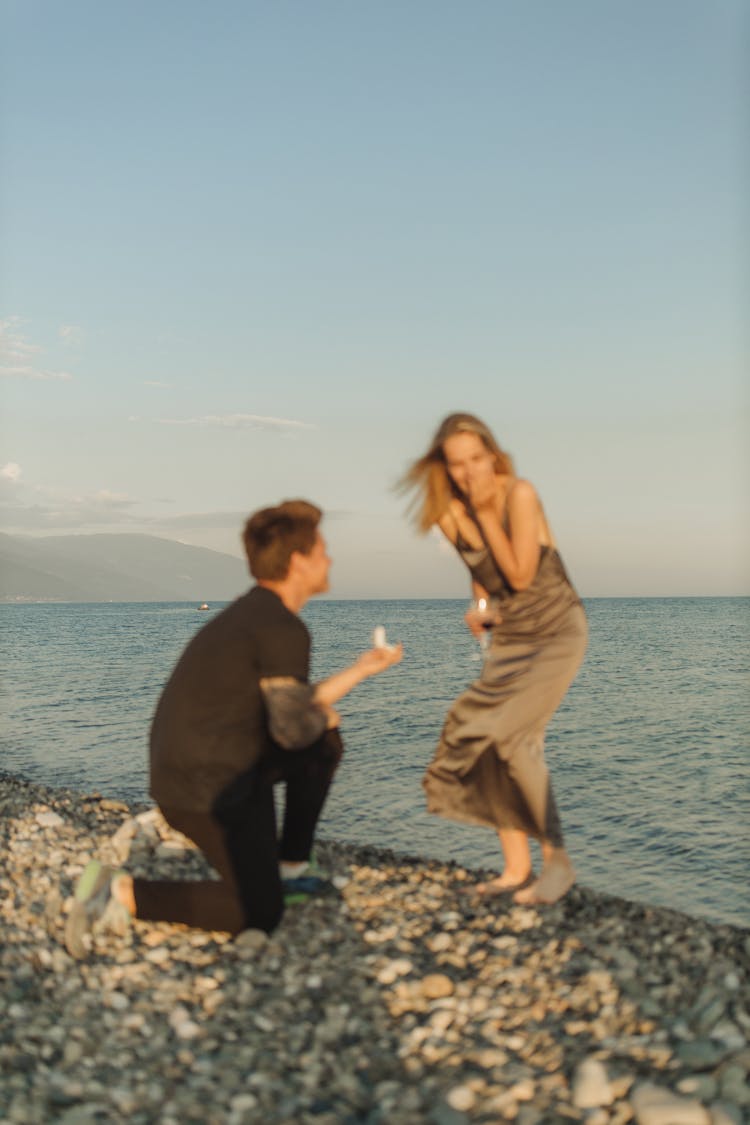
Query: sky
x,y
258,250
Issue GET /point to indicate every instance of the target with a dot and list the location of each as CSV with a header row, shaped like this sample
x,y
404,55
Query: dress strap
x,y
473,516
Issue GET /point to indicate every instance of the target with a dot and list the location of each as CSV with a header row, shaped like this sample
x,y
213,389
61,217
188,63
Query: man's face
x,y
314,568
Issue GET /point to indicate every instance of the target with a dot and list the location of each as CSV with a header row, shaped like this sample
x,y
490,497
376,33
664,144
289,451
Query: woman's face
x,y
469,462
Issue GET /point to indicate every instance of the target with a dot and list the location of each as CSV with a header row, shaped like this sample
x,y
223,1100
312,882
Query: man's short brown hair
x,y
272,535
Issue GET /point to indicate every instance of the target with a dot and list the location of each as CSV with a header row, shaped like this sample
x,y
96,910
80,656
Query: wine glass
x,y
486,609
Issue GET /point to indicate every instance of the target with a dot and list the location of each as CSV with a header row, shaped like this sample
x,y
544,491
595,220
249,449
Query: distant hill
x,y
118,568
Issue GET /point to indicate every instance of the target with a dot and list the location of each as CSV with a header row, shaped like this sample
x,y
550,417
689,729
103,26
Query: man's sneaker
x,y
94,908
314,868
306,886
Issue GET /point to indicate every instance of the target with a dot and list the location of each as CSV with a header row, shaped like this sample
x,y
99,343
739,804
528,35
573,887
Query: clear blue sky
x,y
258,250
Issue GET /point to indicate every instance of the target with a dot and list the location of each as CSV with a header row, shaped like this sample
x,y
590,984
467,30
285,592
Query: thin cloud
x,y
11,471
106,499
71,335
38,508
197,520
18,355
157,383
239,422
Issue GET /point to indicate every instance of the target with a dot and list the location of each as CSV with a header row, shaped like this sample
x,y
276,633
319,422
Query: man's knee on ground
x,y
263,916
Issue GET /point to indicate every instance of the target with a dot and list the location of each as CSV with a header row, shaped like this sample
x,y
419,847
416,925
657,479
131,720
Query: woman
x,y
489,766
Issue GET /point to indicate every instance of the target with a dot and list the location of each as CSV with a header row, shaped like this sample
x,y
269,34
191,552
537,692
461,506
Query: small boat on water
x,y
203,606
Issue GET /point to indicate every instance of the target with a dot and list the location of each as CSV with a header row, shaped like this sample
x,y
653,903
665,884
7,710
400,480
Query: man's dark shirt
x,y
211,723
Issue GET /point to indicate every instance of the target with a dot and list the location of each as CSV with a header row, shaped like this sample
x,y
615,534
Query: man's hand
x,y
376,660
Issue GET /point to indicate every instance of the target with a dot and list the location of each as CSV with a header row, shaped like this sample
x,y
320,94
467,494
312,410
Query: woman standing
x,y
489,766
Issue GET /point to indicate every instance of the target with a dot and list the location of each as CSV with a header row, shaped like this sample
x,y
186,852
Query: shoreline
x,y
405,1001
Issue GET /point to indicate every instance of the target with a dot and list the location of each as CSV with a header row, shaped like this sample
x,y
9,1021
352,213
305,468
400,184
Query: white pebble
x,y
392,970
591,1086
169,848
251,941
655,1105
440,942
597,1117
461,1098
523,1091
118,1001
49,819
158,955
241,1103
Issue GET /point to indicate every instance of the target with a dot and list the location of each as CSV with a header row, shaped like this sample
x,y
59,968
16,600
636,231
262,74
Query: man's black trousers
x,y
240,840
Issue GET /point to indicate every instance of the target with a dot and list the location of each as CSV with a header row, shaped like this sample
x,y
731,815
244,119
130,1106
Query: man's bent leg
x,y
207,904
308,775
239,840
247,814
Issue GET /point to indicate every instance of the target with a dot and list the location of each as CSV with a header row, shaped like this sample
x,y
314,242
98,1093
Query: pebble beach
x,y
400,1001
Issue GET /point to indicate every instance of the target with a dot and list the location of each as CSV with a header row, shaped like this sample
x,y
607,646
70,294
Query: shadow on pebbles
x,y
403,1001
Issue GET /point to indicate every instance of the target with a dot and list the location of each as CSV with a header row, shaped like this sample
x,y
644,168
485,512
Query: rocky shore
x,y
404,1001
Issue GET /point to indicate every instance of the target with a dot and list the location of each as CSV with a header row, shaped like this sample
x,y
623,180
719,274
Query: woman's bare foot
x,y
557,877
505,884
121,889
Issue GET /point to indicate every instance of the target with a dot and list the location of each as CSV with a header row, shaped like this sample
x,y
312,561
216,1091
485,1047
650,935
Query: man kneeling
x,y
236,717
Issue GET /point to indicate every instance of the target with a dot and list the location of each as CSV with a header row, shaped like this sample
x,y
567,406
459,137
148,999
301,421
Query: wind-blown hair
x,y
428,477
272,535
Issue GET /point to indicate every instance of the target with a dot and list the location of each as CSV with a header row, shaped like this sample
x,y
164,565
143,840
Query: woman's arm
x,y
472,617
517,554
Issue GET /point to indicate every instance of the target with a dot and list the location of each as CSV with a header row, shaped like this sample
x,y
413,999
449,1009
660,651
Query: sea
x,y
648,752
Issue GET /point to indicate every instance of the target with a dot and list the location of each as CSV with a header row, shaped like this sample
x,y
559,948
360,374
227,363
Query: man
x,y
236,717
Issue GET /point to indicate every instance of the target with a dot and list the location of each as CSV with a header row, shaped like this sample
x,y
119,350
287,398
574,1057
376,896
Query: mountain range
x,y
118,568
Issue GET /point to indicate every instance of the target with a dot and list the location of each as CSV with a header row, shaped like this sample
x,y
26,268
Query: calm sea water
x,y
648,753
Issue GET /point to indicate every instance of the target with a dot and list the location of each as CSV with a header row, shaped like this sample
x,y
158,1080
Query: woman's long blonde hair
x,y
428,477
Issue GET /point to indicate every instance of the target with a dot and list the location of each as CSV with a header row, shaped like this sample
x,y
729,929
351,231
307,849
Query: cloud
x,y
71,335
199,519
196,520
39,508
28,508
239,422
19,356
157,383
106,499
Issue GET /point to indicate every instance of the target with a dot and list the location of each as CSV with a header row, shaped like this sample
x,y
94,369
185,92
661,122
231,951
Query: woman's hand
x,y
476,620
482,492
